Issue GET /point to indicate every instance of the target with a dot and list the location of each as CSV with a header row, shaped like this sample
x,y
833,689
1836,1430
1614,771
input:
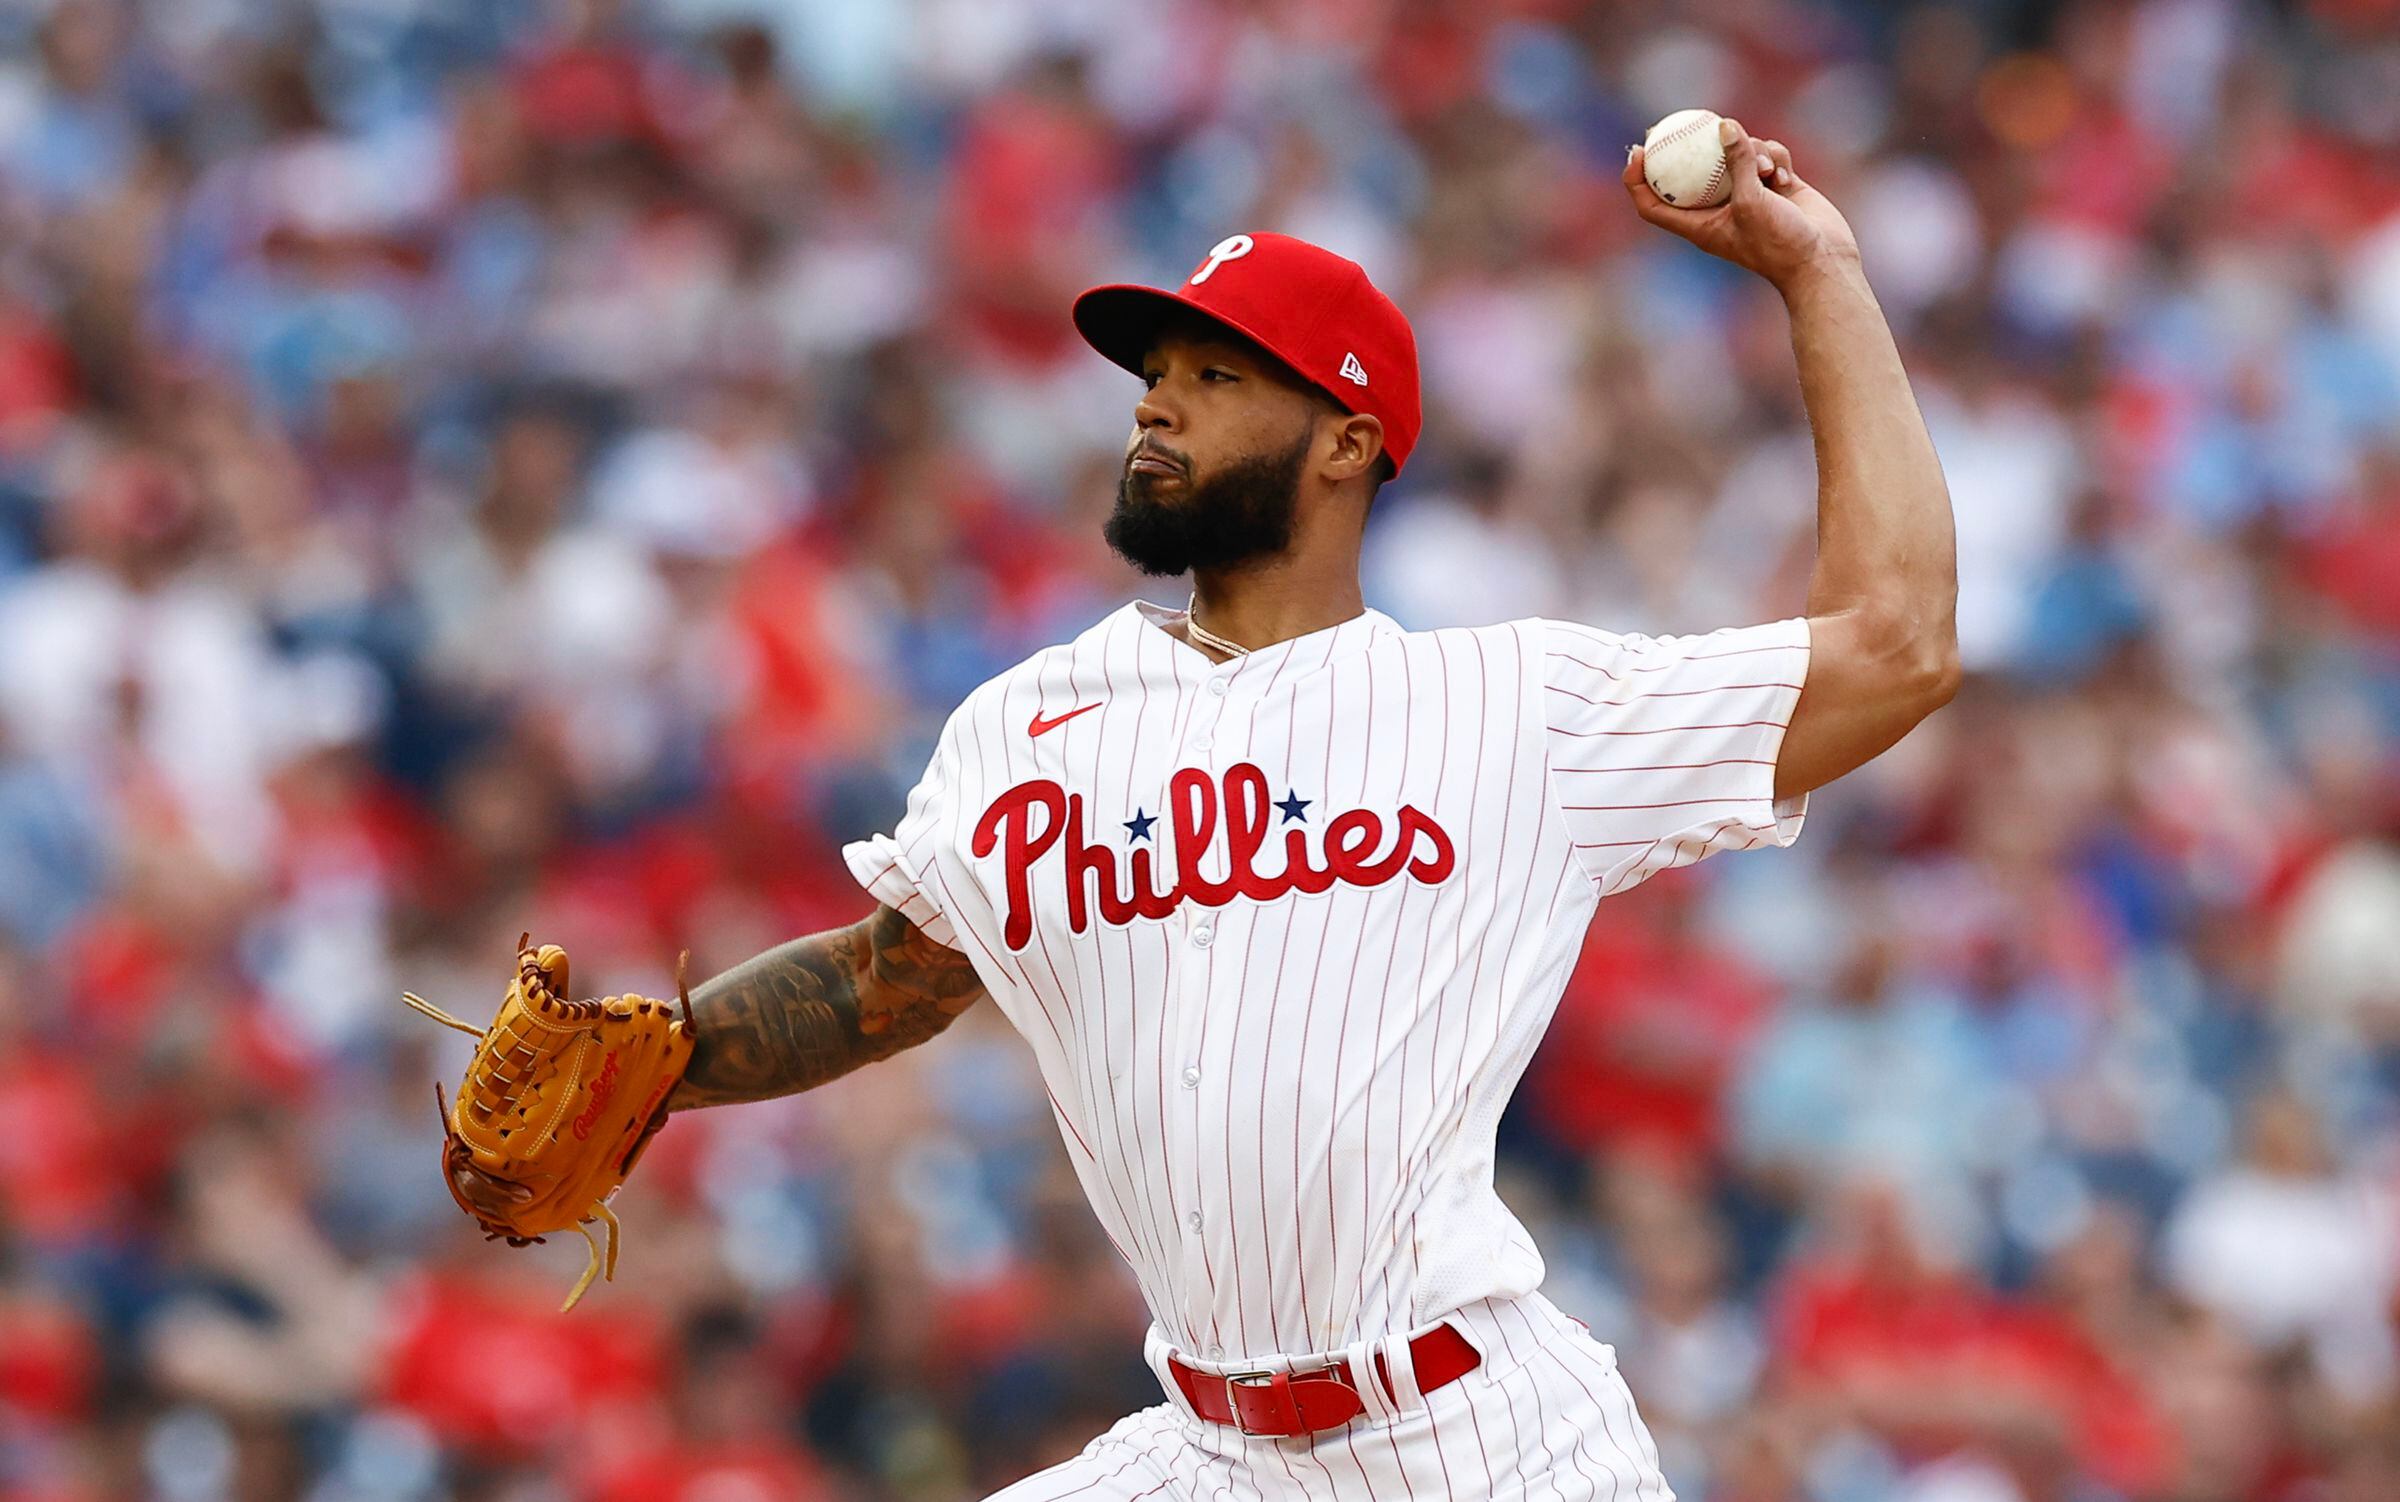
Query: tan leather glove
x,y
559,1100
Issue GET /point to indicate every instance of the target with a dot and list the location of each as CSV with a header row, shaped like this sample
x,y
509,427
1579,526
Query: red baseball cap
x,y
1310,308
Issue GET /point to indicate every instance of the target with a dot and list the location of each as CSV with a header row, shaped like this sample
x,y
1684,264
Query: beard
x,y
1241,513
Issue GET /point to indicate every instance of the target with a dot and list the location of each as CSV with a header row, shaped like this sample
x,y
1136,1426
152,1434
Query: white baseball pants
x,y
1545,1414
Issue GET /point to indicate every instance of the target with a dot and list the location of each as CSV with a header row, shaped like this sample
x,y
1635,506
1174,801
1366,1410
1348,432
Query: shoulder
x,y
1502,636
1505,649
1598,648
1478,671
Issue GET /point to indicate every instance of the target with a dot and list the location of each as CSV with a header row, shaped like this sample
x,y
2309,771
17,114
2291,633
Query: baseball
x,y
1684,163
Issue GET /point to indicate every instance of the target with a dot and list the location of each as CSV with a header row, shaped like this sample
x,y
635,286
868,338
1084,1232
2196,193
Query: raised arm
x,y
818,1007
1883,638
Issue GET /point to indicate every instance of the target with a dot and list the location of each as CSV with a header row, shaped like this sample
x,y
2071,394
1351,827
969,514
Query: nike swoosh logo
x,y
1041,726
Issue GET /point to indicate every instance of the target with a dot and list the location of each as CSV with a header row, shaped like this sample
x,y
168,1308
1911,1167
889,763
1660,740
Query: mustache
x,y
1149,450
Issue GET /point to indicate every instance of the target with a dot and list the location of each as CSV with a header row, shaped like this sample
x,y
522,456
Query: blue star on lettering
x,y
1294,806
1138,827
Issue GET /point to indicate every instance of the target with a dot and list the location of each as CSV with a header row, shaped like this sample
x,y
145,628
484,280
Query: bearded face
x,y
1172,518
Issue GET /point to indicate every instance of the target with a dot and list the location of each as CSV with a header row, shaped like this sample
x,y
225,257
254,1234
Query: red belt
x,y
1287,1403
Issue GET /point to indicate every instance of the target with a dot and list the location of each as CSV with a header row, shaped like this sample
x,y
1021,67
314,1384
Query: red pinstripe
x,y
1636,865
1408,697
1026,974
1515,946
1341,1042
1350,1441
1171,1230
1502,881
1118,1115
1022,968
1234,1049
1681,693
1442,1006
1199,1050
1291,722
1680,766
1636,875
1308,1012
1092,1485
1208,1269
1069,1123
1598,1406
1541,1410
1516,1426
1407,1170
1603,808
1565,870
1136,1186
1176,1229
1664,729
1629,844
1680,659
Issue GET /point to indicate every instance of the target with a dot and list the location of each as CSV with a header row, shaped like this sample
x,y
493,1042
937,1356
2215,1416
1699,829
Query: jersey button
x,y
1193,1220
1191,1076
1203,937
1217,686
1203,741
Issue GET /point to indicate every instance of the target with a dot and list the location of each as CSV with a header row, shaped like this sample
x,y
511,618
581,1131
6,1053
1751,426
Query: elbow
x,y
1920,655
1940,677
1938,674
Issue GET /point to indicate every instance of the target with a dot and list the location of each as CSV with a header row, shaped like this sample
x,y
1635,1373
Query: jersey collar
x,y
1314,649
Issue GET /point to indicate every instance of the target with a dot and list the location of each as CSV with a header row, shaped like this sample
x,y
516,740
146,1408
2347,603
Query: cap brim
x,y
1122,321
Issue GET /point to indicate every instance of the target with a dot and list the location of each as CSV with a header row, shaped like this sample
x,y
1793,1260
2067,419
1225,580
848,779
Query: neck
x,y
1260,604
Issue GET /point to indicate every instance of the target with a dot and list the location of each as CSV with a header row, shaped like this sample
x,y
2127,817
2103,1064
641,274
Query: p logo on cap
x,y
1231,248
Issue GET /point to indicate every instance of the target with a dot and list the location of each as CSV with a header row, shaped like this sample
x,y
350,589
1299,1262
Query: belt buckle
x,y
1233,1380
1331,1371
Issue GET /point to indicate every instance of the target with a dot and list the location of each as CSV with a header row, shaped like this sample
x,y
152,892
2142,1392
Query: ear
x,y
1357,444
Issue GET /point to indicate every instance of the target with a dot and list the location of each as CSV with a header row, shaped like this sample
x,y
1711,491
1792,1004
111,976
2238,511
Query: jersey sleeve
x,y
1662,748
897,869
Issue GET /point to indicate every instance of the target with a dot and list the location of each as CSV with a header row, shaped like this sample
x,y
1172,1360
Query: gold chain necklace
x,y
1205,637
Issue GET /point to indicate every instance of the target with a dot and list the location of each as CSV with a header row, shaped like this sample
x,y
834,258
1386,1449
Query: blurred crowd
x,y
552,464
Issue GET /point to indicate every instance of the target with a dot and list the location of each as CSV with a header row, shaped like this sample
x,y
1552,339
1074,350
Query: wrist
x,y
1832,269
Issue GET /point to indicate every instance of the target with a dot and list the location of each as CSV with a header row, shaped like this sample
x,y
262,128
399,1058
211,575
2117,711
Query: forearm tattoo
x,y
816,1008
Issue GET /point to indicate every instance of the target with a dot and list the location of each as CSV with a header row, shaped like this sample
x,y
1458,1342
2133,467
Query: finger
x,y
553,961
1741,158
1776,167
481,1189
488,1191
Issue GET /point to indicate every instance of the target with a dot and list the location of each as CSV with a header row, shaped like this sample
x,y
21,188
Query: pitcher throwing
x,y
1283,896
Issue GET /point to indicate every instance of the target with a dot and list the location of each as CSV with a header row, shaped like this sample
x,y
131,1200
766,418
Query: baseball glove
x,y
559,1100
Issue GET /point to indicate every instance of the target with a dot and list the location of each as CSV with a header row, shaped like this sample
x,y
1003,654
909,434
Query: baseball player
x,y
1283,896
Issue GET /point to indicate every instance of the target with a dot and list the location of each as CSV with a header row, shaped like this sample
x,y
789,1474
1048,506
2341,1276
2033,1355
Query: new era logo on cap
x,y
1310,308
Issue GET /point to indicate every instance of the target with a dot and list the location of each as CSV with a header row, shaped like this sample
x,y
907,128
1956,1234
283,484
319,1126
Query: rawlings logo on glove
x,y
540,1137
602,1089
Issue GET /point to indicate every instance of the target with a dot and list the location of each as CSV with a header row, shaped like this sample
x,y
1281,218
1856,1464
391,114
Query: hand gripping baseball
x,y
559,1100
1775,223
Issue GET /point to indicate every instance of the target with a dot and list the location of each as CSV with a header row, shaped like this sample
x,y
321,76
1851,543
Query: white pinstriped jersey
x,y
1284,931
